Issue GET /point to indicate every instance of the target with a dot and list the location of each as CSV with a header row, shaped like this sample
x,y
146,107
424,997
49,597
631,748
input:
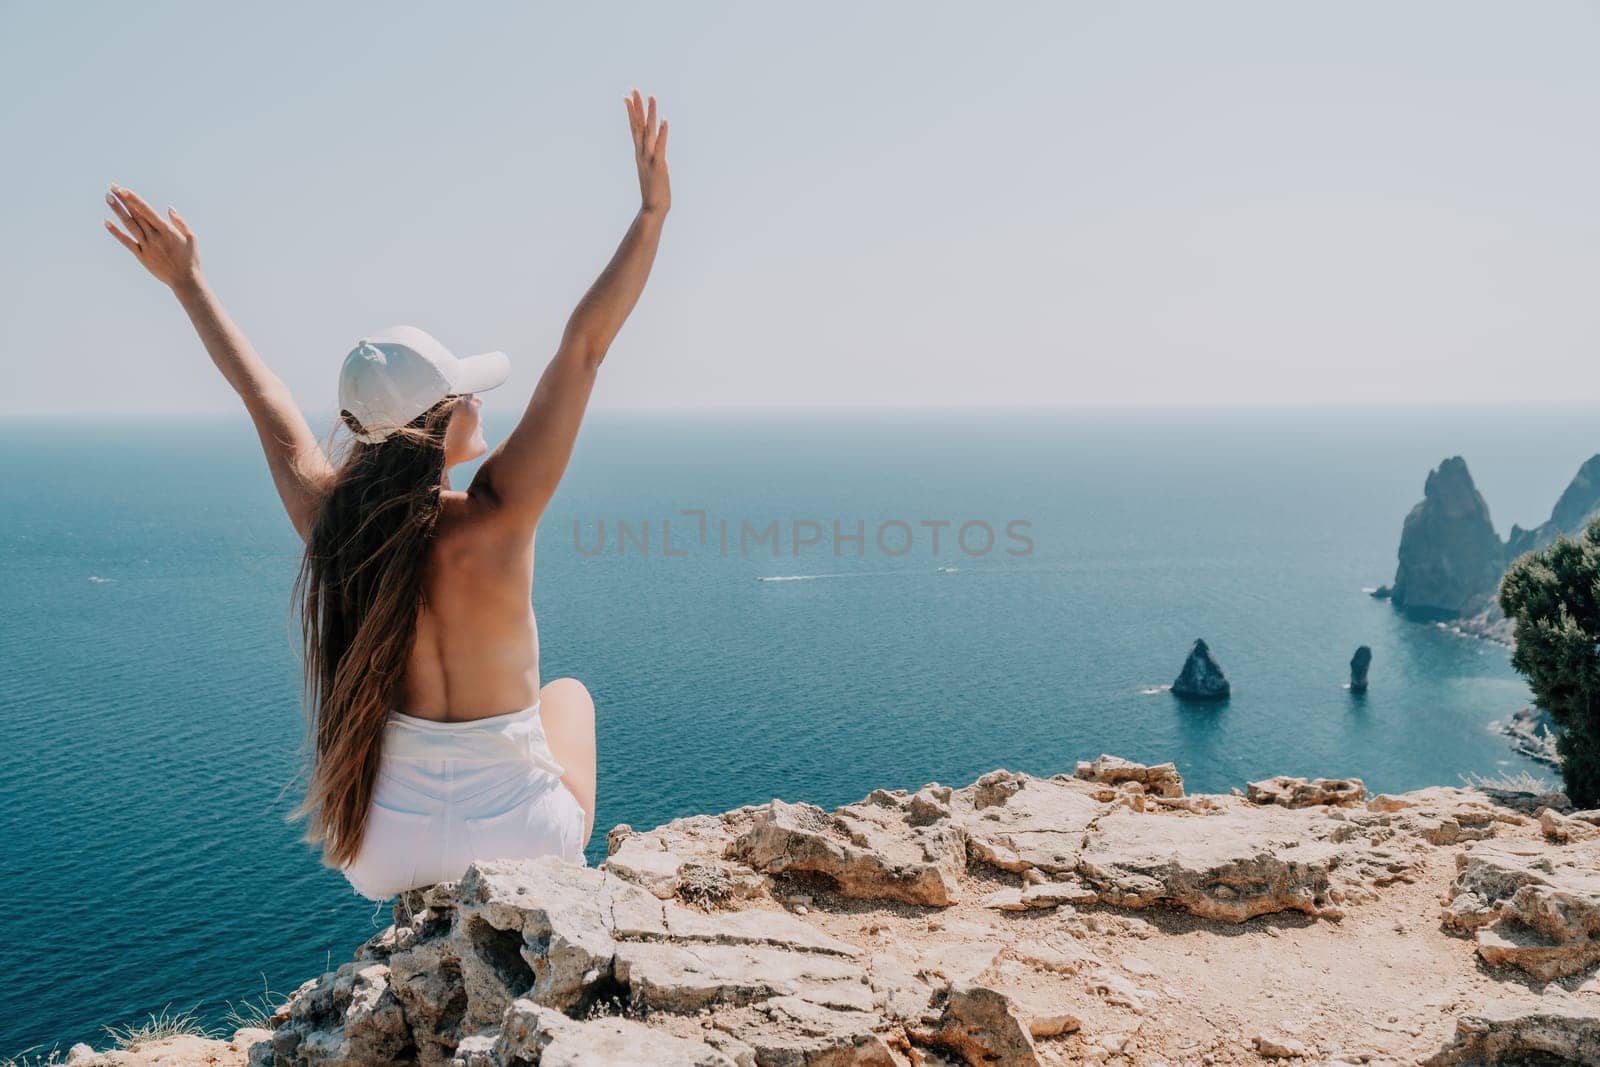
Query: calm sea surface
x,y
149,686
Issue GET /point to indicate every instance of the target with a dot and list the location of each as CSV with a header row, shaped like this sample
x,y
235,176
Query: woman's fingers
x,y
153,223
181,226
127,242
651,129
136,204
633,120
661,142
121,211
648,134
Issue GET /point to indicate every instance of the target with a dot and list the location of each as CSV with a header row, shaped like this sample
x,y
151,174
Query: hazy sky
x,y
875,203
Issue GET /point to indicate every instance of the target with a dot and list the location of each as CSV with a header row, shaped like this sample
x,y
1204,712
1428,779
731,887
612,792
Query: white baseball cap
x,y
392,376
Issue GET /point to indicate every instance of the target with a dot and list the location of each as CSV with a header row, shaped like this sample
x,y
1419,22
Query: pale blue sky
x,y
875,203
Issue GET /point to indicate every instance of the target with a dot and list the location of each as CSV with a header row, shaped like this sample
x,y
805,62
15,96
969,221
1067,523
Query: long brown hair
x,y
358,591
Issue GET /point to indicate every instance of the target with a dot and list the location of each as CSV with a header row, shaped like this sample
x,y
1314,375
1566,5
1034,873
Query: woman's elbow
x,y
584,349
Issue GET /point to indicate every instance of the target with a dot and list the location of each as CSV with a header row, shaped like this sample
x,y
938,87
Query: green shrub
x,y
1554,596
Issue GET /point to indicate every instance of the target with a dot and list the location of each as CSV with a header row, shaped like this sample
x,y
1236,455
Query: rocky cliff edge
x,y
1105,916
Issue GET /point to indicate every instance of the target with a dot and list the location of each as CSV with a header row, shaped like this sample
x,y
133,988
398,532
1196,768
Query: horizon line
x,y
329,414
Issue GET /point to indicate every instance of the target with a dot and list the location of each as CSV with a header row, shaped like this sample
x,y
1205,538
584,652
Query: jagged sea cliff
x,y
1451,560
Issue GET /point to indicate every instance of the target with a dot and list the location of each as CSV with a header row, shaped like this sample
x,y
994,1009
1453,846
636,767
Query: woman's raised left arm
x,y
166,247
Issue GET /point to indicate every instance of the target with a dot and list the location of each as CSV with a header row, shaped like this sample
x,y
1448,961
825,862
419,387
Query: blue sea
x,y
149,688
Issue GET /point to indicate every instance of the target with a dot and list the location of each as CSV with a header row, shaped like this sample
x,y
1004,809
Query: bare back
x,y
476,651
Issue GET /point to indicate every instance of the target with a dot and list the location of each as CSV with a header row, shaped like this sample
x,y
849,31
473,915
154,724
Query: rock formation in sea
x,y
1360,663
1451,559
1201,677
1578,502
1447,548
1100,917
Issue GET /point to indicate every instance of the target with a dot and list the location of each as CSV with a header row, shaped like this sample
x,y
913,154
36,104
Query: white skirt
x,y
452,793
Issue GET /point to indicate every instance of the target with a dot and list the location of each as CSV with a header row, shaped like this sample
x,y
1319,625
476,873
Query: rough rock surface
x,y
1162,779
1305,793
1360,664
885,848
1201,677
1098,917
1548,1030
1451,559
1531,907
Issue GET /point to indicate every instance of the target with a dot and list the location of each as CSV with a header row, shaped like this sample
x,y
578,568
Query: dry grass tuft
x,y
255,1010
158,1027
1518,782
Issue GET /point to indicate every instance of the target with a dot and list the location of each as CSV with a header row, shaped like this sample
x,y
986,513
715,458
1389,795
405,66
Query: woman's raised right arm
x,y
521,475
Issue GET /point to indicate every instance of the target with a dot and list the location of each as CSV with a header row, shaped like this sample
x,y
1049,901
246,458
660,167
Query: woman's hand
x,y
166,248
650,152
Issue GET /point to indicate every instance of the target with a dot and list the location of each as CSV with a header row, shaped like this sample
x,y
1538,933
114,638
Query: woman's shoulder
x,y
468,522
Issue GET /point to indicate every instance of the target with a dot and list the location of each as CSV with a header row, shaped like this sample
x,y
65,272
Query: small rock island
x,y
1201,677
1359,664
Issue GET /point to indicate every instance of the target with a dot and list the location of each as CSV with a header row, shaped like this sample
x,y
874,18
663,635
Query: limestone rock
x,y
643,860
540,928
680,859
1057,952
1528,909
174,1050
1279,1048
879,849
1120,991
1554,1029
1162,779
1564,828
1360,663
1299,793
1443,815
899,990
496,970
961,960
532,1033
638,917
1451,559
1016,822
1201,677
1236,864
346,1018
982,1025
687,978
790,1030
